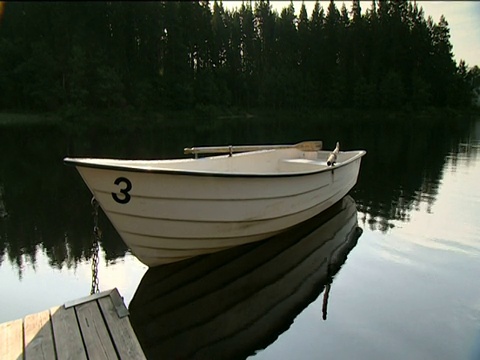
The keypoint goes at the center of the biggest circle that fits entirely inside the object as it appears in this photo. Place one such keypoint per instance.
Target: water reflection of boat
(229, 304)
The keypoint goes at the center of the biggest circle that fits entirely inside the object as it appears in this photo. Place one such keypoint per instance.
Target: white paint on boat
(168, 210)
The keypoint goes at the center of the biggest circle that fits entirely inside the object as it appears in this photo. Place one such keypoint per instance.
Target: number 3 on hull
(125, 198)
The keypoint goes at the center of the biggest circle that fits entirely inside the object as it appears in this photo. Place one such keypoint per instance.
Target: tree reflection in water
(46, 206)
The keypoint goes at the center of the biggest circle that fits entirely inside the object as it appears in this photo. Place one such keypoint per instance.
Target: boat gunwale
(79, 162)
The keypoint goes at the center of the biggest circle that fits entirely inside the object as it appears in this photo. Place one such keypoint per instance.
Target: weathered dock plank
(11, 340)
(94, 327)
(95, 334)
(38, 337)
(68, 339)
(123, 336)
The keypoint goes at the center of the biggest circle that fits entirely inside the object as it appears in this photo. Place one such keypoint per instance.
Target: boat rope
(97, 235)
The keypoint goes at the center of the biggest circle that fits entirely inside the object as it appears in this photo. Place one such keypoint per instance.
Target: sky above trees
(463, 18)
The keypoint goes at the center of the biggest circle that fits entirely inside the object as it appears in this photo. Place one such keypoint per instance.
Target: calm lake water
(391, 272)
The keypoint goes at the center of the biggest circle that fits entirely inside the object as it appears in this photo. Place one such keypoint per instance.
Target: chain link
(97, 235)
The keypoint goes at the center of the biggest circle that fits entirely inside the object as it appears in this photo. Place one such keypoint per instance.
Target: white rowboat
(170, 210)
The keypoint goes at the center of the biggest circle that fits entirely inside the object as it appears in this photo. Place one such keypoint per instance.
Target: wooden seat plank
(11, 340)
(38, 337)
(66, 332)
(94, 332)
(124, 337)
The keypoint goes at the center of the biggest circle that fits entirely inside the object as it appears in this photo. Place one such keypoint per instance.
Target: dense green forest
(184, 55)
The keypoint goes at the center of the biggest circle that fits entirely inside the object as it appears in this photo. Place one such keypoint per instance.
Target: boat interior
(262, 162)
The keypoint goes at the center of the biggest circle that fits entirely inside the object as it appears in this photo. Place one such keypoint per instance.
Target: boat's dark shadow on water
(229, 304)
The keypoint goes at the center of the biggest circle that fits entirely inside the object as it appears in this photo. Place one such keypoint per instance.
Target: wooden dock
(94, 327)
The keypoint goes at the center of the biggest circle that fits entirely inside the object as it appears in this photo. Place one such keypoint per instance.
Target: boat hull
(166, 216)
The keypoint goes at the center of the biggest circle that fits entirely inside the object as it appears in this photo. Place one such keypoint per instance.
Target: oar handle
(303, 146)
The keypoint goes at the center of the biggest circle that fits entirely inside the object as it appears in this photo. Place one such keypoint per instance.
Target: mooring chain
(97, 235)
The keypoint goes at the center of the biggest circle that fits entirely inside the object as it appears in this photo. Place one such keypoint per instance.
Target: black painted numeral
(126, 196)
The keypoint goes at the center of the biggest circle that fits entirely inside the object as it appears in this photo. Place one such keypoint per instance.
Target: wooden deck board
(121, 330)
(11, 340)
(95, 327)
(95, 334)
(68, 339)
(38, 337)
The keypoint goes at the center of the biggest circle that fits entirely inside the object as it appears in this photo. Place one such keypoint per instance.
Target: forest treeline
(181, 55)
